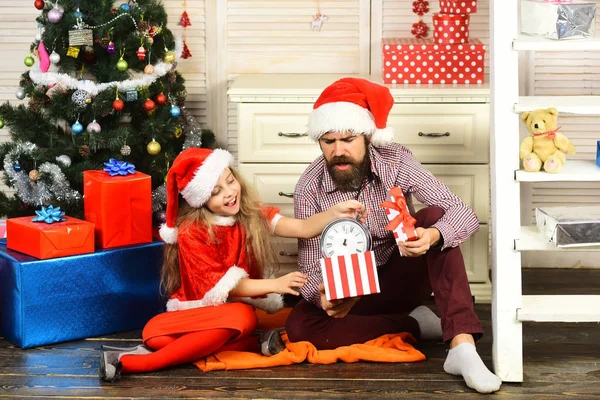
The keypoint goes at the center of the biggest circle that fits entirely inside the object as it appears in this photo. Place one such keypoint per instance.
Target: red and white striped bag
(350, 275)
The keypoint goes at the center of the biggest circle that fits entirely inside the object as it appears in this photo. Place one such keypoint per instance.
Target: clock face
(345, 236)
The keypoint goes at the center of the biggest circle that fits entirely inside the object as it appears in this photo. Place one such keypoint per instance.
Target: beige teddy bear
(545, 147)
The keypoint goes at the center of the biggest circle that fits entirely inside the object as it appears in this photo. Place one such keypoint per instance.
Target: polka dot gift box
(451, 28)
(458, 6)
(409, 60)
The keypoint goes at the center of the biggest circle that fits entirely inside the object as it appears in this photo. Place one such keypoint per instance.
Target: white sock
(464, 360)
(430, 324)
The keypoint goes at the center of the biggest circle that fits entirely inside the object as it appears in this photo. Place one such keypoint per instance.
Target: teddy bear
(545, 147)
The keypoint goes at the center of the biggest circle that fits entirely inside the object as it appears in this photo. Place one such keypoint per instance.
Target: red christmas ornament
(185, 53)
(141, 53)
(185, 20)
(149, 105)
(420, 7)
(161, 98)
(118, 104)
(39, 4)
(419, 30)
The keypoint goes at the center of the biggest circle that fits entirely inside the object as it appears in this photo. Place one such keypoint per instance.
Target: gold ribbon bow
(399, 204)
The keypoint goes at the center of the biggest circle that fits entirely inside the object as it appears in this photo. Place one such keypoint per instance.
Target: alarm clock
(345, 236)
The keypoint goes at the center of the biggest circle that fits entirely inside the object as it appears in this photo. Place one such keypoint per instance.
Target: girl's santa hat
(194, 174)
(356, 105)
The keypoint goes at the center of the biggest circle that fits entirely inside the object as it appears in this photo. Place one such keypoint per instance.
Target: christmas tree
(102, 84)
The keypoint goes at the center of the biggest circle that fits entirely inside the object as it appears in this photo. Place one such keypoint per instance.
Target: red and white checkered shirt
(391, 165)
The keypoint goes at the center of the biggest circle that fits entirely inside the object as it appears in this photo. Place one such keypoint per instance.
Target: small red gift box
(401, 222)
(409, 60)
(119, 206)
(38, 239)
(451, 28)
(458, 6)
(350, 275)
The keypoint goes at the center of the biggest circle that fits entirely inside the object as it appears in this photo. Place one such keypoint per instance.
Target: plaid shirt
(391, 165)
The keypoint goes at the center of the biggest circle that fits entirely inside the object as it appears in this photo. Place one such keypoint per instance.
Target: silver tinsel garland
(38, 193)
(159, 197)
(192, 132)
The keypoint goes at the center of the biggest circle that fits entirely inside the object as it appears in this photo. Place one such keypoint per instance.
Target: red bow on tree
(399, 204)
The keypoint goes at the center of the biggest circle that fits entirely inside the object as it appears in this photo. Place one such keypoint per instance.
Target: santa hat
(353, 104)
(194, 174)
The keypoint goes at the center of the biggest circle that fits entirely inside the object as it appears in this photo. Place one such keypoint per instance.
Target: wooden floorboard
(561, 361)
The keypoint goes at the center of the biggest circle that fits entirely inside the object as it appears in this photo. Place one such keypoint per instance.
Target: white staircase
(509, 307)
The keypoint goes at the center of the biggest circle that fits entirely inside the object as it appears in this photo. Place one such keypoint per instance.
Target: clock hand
(344, 244)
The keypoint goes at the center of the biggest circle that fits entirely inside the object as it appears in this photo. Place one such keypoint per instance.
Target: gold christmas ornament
(153, 147)
(34, 175)
(169, 57)
(73, 52)
(178, 132)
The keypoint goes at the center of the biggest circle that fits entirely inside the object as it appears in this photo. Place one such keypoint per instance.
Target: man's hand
(425, 239)
(336, 308)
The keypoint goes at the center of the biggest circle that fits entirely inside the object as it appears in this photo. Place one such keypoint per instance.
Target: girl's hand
(349, 209)
(290, 283)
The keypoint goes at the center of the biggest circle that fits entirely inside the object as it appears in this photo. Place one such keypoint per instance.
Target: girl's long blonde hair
(250, 216)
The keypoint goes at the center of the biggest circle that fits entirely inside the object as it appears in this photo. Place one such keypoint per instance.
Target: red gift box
(350, 275)
(401, 222)
(409, 60)
(41, 240)
(458, 6)
(451, 28)
(119, 206)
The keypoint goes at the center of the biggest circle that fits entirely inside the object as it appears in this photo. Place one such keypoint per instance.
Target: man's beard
(352, 178)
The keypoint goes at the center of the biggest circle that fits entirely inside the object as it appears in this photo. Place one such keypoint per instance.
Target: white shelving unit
(509, 307)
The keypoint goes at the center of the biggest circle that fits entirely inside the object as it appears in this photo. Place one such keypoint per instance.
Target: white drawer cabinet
(447, 128)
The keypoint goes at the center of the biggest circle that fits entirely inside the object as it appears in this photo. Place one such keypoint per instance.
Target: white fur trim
(340, 117)
(220, 220)
(199, 189)
(169, 235)
(381, 137)
(274, 222)
(216, 296)
(271, 304)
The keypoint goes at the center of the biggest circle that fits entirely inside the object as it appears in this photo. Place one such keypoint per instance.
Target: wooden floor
(561, 361)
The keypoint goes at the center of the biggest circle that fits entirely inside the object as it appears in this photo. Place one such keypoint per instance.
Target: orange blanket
(387, 348)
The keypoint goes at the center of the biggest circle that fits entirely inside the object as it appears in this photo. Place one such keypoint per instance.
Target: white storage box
(556, 20)
(570, 226)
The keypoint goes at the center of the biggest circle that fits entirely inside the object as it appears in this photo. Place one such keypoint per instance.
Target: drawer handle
(292, 134)
(283, 253)
(290, 195)
(434, 134)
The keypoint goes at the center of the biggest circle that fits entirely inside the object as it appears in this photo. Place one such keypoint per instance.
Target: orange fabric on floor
(387, 348)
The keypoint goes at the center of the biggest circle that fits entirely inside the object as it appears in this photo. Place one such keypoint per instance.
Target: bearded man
(360, 162)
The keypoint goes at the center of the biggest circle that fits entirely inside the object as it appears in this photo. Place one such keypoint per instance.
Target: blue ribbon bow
(115, 167)
(49, 215)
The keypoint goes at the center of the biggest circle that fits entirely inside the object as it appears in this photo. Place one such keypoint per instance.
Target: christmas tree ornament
(29, 61)
(81, 98)
(124, 7)
(419, 28)
(38, 34)
(118, 104)
(93, 127)
(84, 150)
(149, 105)
(149, 69)
(39, 4)
(161, 98)
(44, 57)
(131, 95)
(177, 133)
(49, 215)
(34, 175)
(122, 64)
(1, 123)
(185, 53)
(141, 53)
(55, 15)
(169, 57)
(185, 19)
(54, 57)
(73, 52)
(110, 49)
(318, 19)
(81, 37)
(158, 218)
(89, 56)
(64, 159)
(185, 22)
(126, 150)
(175, 111)
(77, 128)
(20, 94)
(153, 147)
(150, 40)
(78, 14)
(17, 167)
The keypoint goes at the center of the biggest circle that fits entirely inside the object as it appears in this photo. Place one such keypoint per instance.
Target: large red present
(350, 275)
(451, 28)
(401, 222)
(409, 60)
(41, 240)
(119, 206)
(458, 6)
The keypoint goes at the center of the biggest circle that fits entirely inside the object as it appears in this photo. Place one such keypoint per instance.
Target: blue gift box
(69, 298)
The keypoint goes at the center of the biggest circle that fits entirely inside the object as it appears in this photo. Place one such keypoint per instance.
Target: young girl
(214, 263)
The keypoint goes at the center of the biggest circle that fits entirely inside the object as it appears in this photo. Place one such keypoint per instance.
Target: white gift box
(558, 19)
(350, 275)
(570, 226)
(401, 233)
